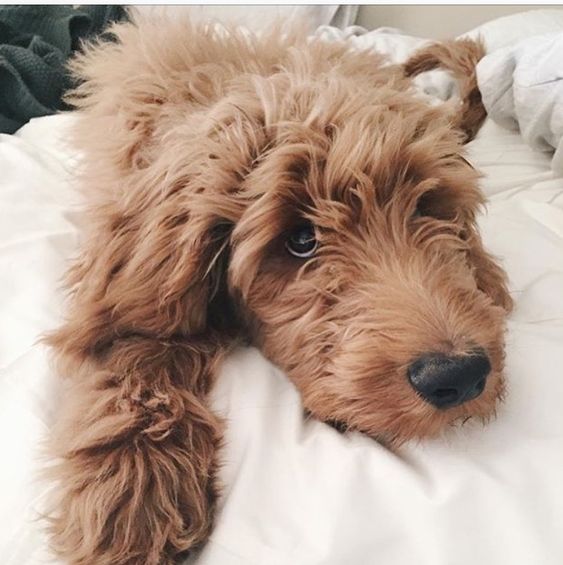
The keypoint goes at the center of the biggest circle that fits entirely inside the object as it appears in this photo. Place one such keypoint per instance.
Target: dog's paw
(136, 477)
(131, 505)
(137, 461)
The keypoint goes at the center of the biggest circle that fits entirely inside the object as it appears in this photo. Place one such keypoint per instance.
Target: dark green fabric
(35, 43)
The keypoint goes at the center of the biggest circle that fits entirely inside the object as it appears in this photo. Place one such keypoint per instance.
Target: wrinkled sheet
(297, 492)
(522, 88)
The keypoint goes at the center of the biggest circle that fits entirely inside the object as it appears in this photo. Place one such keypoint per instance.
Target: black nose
(449, 380)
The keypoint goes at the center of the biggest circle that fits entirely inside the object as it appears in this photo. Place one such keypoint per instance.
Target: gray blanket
(35, 43)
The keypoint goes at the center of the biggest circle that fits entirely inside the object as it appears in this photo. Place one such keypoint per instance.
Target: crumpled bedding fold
(522, 89)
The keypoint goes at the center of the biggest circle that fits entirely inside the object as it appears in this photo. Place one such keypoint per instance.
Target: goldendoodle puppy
(290, 193)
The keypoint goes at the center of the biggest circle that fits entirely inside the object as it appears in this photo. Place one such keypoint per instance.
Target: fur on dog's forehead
(312, 132)
(368, 170)
(322, 141)
(363, 160)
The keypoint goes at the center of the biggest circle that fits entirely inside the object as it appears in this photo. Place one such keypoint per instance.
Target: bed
(297, 492)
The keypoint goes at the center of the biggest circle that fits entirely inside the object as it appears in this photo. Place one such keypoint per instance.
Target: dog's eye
(302, 241)
(424, 207)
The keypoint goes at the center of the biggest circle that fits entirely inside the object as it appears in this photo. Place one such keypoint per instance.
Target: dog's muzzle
(449, 380)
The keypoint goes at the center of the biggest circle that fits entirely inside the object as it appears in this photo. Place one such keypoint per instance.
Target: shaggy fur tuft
(202, 151)
(460, 57)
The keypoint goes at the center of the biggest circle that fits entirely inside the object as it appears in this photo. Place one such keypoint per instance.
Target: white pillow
(501, 32)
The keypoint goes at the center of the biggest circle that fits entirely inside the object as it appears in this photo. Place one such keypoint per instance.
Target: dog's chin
(427, 422)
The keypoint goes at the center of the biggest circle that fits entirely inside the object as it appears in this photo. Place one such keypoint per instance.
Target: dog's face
(328, 206)
(359, 271)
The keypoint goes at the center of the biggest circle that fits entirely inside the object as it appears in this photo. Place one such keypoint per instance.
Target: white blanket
(297, 492)
(522, 88)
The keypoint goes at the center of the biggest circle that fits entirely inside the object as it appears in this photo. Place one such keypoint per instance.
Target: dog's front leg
(137, 447)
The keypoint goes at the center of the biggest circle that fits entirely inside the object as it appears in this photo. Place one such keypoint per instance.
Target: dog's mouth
(480, 406)
(425, 420)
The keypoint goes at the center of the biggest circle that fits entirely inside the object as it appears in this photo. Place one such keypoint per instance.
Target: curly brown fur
(460, 57)
(201, 152)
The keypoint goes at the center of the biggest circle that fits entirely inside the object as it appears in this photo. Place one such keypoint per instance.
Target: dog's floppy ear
(160, 212)
(157, 273)
(460, 57)
(490, 277)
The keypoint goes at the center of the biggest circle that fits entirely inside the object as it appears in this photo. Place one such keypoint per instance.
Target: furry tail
(460, 57)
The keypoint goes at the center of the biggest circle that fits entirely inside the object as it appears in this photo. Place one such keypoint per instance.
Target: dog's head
(360, 269)
(300, 197)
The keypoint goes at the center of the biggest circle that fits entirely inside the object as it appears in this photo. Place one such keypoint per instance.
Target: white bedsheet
(296, 491)
(522, 88)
